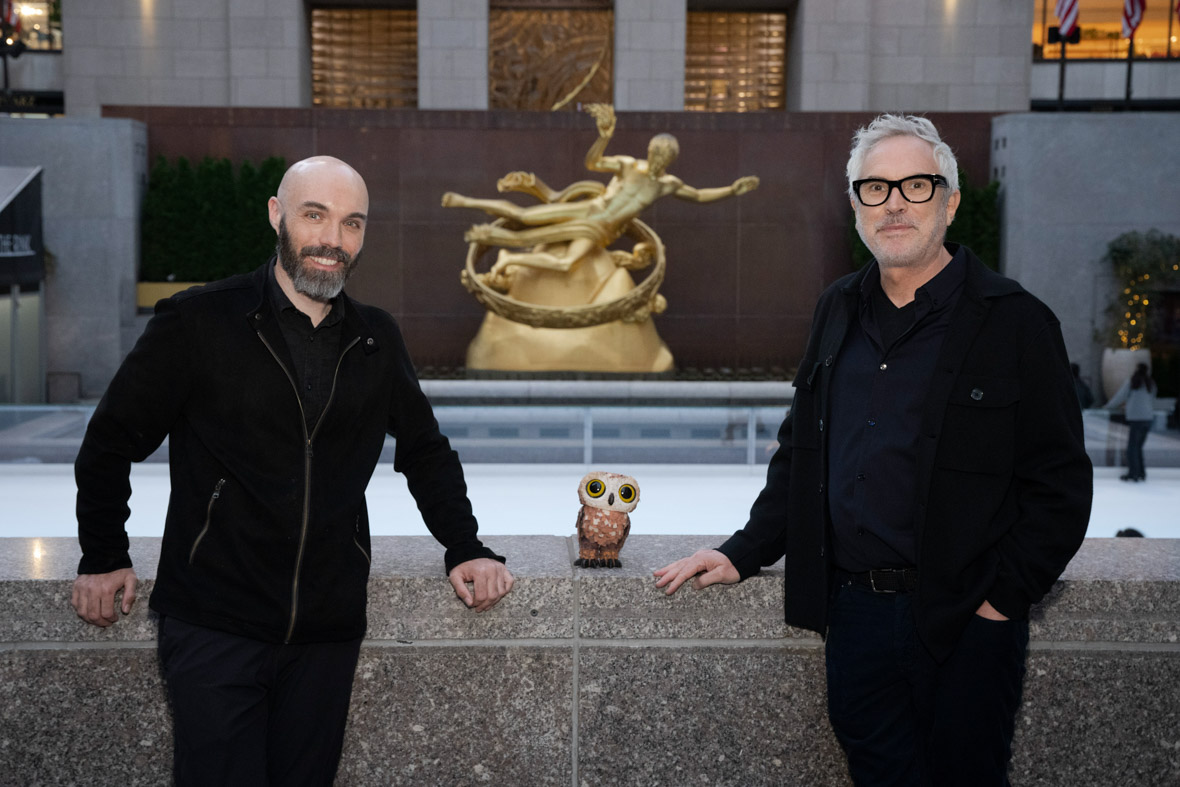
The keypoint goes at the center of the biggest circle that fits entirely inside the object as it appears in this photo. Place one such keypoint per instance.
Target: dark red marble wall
(743, 274)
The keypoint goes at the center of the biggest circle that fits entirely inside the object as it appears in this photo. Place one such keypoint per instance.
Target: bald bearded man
(276, 391)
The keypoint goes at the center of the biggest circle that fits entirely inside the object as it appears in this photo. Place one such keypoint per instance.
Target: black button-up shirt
(879, 387)
(314, 350)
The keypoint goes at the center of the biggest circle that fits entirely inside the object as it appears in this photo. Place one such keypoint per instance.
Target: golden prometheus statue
(558, 298)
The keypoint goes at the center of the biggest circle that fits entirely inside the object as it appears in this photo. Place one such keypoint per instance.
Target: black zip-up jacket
(1003, 483)
(267, 534)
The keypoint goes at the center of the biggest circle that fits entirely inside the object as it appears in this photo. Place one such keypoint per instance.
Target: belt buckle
(873, 580)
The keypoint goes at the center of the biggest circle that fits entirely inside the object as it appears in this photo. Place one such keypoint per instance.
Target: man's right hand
(708, 566)
(94, 595)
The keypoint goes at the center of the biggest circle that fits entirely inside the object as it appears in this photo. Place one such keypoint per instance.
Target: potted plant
(1143, 262)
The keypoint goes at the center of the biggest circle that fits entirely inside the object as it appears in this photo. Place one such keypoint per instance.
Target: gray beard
(319, 285)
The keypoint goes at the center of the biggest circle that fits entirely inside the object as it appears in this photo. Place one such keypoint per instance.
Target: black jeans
(253, 713)
(1137, 432)
(905, 719)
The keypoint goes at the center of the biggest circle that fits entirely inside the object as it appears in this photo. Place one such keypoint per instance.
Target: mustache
(894, 221)
(330, 252)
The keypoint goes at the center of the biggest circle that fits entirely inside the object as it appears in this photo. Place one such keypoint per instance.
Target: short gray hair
(886, 126)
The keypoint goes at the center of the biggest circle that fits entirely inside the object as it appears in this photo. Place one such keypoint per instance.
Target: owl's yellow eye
(626, 493)
(595, 488)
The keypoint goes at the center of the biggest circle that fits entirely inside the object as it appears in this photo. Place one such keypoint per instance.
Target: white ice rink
(517, 499)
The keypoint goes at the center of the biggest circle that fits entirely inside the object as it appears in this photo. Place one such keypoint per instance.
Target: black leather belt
(886, 580)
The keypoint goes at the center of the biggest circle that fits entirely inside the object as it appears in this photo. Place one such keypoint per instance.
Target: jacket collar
(982, 281)
(262, 316)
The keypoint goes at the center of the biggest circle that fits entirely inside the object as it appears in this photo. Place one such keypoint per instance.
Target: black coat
(267, 534)
(1004, 483)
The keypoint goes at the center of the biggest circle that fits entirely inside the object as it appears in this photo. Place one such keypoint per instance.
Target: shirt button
(884, 366)
(872, 422)
(860, 476)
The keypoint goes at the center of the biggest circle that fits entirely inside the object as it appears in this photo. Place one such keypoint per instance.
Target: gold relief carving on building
(548, 59)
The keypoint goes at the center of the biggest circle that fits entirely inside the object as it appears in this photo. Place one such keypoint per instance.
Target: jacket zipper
(307, 457)
(356, 540)
(192, 554)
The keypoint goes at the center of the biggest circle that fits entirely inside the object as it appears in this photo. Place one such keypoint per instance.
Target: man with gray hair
(931, 481)
(276, 391)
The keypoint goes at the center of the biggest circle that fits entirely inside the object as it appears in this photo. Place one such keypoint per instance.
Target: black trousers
(904, 719)
(246, 712)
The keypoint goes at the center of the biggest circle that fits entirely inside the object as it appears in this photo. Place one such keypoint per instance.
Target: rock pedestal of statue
(618, 346)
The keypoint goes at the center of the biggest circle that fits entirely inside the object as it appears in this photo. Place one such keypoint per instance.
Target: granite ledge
(1114, 591)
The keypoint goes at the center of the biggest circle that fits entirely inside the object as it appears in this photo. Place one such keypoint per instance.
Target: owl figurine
(603, 521)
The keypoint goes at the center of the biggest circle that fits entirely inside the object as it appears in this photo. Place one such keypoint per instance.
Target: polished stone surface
(83, 717)
(1099, 717)
(410, 597)
(457, 716)
(591, 676)
(623, 603)
(734, 716)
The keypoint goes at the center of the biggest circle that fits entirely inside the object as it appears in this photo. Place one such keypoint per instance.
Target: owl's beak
(610, 501)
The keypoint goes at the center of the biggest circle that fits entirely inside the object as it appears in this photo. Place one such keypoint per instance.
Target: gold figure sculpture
(558, 298)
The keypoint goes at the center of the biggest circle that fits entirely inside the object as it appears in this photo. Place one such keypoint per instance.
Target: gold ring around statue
(638, 299)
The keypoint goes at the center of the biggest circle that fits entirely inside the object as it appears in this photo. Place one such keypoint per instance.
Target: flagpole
(1130, 61)
(1061, 78)
(1171, 19)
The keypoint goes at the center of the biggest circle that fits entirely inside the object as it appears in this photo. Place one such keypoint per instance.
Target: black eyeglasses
(916, 188)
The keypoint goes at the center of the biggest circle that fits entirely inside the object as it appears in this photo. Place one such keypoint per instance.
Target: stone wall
(1069, 184)
(592, 677)
(94, 172)
(743, 274)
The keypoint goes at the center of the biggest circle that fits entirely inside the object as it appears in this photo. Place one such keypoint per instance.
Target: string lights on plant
(1145, 261)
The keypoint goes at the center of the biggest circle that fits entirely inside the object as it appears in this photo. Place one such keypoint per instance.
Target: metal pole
(1044, 25)
(1172, 11)
(751, 436)
(1130, 62)
(587, 436)
(14, 347)
(1061, 78)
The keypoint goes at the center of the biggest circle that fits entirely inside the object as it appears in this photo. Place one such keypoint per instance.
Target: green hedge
(207, 222)
(976, 225)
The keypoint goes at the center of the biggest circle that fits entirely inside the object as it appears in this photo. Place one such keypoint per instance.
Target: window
(364, 58)
(735, 62)
(36, 25)
(1101, 26)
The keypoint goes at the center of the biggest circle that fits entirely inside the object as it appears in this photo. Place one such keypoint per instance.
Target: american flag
(1132, 16)
(1067, 16)
(9, 16)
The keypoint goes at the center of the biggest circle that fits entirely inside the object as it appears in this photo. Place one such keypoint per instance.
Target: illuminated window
(735, 62)
(38, 24)
(364, 58)
(1101, 24)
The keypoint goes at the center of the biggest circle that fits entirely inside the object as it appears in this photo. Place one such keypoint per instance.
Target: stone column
(649, 55)
(452, 54)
